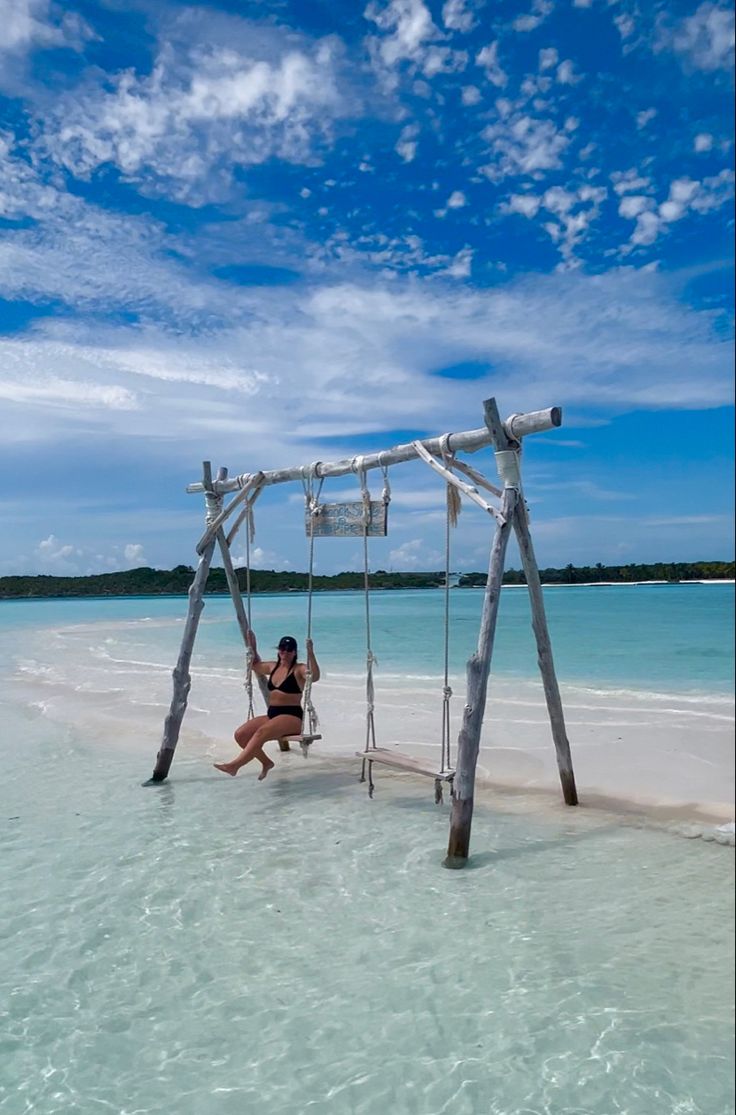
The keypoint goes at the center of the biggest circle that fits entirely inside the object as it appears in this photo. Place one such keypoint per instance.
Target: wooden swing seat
(405, 762)
(303, 740)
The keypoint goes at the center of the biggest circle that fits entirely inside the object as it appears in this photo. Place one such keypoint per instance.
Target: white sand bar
(671, 757)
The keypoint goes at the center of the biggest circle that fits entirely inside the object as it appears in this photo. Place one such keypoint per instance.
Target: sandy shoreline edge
(663, 759)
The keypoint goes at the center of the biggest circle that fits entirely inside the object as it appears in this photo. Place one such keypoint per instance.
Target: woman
(286, 680)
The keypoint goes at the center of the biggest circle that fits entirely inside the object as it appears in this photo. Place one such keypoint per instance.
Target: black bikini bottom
(285, 710)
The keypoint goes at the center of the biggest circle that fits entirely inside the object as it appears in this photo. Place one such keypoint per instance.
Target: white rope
(448, 460)
(311, 501)
(248, 683)
(247, 512)
(507, 463)
(370, 658)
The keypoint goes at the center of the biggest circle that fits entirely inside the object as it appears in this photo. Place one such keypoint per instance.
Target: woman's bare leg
(244, 733)
(253, 749)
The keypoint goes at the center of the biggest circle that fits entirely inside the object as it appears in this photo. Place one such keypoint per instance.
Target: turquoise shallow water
(676, 638)
(214, 945)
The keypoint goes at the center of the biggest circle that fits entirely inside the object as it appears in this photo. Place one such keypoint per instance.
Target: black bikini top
(288, 685)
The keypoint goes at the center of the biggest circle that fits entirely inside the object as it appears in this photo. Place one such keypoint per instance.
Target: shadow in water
(478, 860)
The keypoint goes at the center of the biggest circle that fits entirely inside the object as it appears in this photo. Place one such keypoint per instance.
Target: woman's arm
(312, 663)
(263, 669)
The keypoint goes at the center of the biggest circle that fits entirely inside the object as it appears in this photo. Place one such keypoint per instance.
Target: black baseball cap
(287, 643)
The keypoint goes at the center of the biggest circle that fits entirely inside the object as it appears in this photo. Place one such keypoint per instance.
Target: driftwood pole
(478, 670)
(232, 583)
(544, 655)
(181, 676)
(507, 439)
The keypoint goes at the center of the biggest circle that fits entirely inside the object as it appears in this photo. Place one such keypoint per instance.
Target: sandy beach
(670, 760)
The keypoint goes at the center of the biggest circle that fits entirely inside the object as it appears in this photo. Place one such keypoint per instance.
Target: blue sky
(271, 233)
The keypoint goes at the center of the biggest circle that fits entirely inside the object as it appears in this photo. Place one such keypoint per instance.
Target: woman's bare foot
(226, 768)
(266, 764)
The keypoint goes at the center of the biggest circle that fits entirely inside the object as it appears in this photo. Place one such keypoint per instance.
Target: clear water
(216, 945)
(678, 638)
(213, 946)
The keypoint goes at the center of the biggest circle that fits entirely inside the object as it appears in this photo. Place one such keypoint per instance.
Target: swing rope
(454, 506)
(371, 660)
(249, 536)
(312, 506)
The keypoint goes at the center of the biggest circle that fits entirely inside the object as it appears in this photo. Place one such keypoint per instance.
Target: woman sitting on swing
(284, 716)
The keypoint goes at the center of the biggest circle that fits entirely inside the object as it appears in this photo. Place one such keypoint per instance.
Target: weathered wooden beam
(181, 676)
(544, 655)
(518, 426)
(468, 489)
(478, 669)
(504, 434)
(468, 441)
(240, 613)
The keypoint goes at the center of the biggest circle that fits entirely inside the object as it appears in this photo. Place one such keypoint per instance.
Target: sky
(267, 234)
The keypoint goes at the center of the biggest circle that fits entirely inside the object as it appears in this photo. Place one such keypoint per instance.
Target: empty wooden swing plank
(404, 762)
(303, 740)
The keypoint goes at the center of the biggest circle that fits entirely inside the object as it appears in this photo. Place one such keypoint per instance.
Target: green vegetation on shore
(163, 582)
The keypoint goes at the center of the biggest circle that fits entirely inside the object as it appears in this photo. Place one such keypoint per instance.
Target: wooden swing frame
(505, 438)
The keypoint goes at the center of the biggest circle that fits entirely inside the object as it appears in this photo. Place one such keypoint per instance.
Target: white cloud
(566, 74)
(705, 39)
(523, 144)
(629, 181)
(53, 556)
(488, 59)
(199, 113)
(471, 95)
(648, 226)
(703, 142)
(625, 25)
(632, 205)
(456, 200)
(531, 20)
(443, 60)
(408, 29)
(29, 24)
(457, 16)
(262, 558)
(645, 117)
(133, 553)
(406, 145)
(685, 194)
(54, 391)
(415, 554)
(364, 354)
(461, 265)
(548, 58)
(527, 204)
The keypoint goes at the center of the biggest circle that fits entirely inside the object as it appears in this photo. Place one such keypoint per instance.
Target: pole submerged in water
(181, 675)
(505, 437)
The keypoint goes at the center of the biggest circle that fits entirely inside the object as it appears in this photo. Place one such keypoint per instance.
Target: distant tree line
(164, 582)
(671, 571)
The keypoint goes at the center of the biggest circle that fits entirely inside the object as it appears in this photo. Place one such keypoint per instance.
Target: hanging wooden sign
(345, 520)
